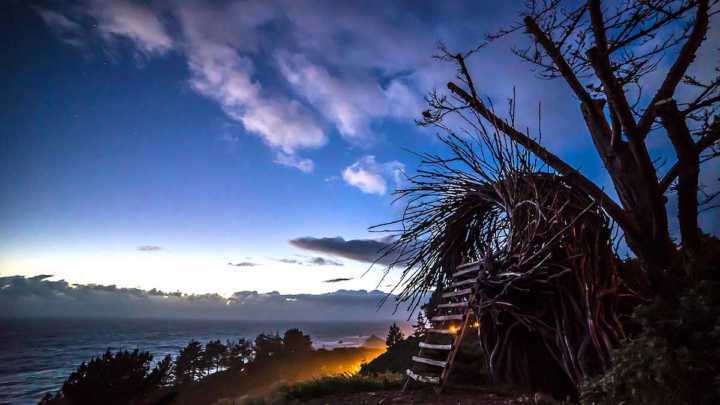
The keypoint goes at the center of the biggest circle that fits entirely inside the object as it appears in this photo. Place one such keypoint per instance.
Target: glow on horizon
(193, 274)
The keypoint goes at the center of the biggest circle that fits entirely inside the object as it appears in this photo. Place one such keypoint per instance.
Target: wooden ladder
(437, 352)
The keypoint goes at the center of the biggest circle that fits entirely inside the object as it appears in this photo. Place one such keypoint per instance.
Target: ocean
(36, 355)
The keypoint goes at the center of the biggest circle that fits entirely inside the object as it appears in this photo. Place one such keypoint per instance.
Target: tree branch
(558, 59)
(704, 143)
(600, 61)
(702, 104)
(677, 71)
(688, 171)
(585, 184)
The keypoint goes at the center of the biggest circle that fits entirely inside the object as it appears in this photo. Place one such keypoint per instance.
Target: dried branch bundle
(548, 303)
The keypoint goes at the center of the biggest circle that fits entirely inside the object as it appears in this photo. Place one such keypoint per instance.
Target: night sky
(214, 147)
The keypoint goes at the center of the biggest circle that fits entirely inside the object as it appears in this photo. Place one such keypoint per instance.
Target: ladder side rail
(456, 345)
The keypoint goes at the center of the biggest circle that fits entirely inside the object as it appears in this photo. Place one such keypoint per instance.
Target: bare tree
(604, 53)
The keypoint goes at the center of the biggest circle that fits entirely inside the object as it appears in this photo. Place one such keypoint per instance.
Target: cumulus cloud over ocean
(40, 296)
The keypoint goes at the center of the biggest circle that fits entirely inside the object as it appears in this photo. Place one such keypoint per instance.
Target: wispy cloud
(242, 264)
(291, 85)
(370, 176)
(57, 20)
(149, 248)
(123, 19)
(291, 160)
(351, 105)
(113, 21)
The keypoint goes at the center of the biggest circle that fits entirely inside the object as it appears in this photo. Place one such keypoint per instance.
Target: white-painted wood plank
(424, 360)
(463, 282)
(457, 293)
(442, 318)
(467, 265)
(435, 347)
(465, 272)
(423, 378)
(443, 331)
(453, 305)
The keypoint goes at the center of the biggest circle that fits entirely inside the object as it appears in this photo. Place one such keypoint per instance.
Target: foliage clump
(394, 336)
(675, 360)
(341, 384)
(113, 378)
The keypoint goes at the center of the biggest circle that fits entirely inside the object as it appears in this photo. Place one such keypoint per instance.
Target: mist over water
(36, 355)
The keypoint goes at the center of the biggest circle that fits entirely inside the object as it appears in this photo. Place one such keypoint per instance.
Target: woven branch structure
(548, 301)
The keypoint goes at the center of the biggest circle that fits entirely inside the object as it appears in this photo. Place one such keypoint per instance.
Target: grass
(333, 385)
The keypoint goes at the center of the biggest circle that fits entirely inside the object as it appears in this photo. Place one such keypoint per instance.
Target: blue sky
(152, 145)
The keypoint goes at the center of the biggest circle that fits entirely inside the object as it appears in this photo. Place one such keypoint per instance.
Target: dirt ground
(416, 397)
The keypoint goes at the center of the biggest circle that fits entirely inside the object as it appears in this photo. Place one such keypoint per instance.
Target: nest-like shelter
(548, 300)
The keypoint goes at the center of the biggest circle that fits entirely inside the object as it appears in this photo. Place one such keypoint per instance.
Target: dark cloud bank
(338, 280)
(242, 264)
(311, 261)
(149, 248)
(40, 297)
(362, 250)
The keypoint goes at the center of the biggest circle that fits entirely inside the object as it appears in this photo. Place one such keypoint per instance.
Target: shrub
(340, 384)
(675, 360)
(111, 379)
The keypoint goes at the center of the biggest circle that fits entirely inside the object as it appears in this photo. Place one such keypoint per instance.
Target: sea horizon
(40, 353)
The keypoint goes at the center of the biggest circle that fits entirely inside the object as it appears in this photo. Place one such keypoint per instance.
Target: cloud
(350, 104)
(337, 280)
(362, 250)
(220, 72)
(129, 20)
(321, 261)
(283, 70)
(242, 264)
(112, 21)
(41, 277)
(289, 160)
(39, 297)
(57, 21)
(369, 176)
(66, 29)
(149, 248)
(311, 261)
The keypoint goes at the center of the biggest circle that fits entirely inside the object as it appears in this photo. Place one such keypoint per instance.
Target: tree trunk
(647, 233)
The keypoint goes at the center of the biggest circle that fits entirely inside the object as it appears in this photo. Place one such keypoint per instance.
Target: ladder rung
(464, 272)
(457, 293)
(443, 331)
(425, 360)
(453, 305)
(466, 265)
(435, 347)
(423, 378)
(462, 283)
(441, 318)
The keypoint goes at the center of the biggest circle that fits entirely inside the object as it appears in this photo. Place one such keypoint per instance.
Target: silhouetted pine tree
(394, 336)
(296, 341)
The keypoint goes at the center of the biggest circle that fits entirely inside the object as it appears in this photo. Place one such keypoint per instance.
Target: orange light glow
(476, 325)
(453, 329)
